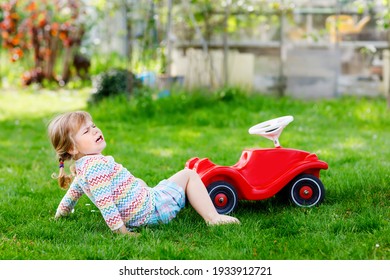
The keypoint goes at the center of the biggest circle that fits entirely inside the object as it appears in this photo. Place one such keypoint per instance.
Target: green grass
(154, 139)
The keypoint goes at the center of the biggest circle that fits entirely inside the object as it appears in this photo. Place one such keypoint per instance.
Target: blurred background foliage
(66, 42)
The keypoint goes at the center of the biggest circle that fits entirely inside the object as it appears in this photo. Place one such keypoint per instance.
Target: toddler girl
(123, 200)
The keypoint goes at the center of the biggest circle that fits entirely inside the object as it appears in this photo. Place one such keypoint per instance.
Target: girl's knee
(188, 173)
(183, 177)
(191, 173)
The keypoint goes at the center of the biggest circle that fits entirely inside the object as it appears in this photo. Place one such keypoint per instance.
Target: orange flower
(32, 6)
(63, 35)
(55, 25)
(15, 41)
(5, 35)
(16, 54)
(14, 16)
(54, 29)
(42, 22)
(18, 51)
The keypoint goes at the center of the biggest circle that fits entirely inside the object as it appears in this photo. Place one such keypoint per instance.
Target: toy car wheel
(224, 197)
(306, 191)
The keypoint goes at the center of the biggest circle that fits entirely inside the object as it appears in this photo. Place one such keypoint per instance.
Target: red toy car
(262, 173)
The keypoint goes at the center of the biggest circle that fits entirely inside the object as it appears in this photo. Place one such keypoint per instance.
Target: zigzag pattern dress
(119, 196)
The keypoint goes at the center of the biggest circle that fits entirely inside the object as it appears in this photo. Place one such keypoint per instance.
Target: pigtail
(63, 179)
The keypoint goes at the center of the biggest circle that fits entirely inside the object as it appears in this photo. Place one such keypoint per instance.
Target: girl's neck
(79, 156)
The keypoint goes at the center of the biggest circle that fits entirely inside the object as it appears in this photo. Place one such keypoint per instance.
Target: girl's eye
(93, 125)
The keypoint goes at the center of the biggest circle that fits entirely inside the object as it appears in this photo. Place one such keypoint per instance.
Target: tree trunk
(66, 68)
(226, 46)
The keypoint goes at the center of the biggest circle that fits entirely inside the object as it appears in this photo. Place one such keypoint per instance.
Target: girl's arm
(69, 200)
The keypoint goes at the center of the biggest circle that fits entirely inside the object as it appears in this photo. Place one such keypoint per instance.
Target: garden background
(154, 126)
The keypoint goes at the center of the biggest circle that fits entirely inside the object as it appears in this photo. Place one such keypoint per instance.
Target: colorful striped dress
(119, 196)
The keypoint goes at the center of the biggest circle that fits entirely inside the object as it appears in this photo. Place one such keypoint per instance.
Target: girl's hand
(58, 215)
(123, 230)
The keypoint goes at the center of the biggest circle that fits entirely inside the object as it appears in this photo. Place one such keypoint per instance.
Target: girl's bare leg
(197, 195)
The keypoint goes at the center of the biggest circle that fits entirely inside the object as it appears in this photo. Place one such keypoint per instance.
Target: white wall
(201, 69)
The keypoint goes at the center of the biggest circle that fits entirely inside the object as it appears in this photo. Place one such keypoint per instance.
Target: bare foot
(223, 219)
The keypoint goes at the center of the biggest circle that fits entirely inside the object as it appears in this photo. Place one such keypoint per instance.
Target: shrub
(114, 82)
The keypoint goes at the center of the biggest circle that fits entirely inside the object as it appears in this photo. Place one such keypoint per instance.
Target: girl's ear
(73, 151)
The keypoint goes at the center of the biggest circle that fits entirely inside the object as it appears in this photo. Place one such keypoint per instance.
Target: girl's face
(89, 140)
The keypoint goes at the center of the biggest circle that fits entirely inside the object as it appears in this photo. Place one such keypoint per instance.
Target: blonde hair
(61, 131)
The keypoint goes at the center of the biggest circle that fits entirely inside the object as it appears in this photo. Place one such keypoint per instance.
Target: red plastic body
(260, 173)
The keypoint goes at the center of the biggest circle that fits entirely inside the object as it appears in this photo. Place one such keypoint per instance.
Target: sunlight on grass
(352, 143)
(367, 112)
(162, 152)
(189, 134)
(14, 104)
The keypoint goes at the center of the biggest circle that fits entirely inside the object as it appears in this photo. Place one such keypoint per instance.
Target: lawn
(154, 139)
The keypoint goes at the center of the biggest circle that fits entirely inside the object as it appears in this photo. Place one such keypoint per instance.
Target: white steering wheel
(271, 129)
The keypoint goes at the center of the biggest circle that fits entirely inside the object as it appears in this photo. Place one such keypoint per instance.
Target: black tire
(224, 197)
(306, 190)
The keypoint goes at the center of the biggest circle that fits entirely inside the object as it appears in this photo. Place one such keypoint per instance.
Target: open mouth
(99, 139)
